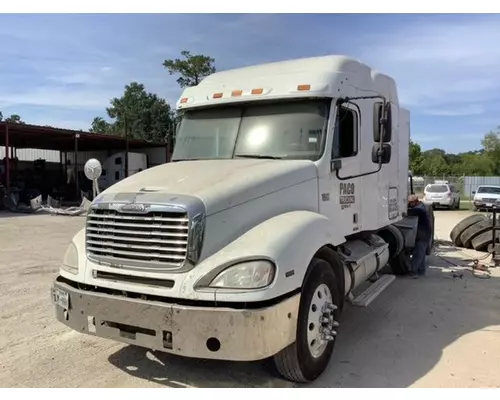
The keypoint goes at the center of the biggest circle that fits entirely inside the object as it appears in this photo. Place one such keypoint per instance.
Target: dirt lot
(441, 331)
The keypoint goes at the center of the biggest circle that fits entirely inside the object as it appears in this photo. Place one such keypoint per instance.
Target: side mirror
(474, 192)
(336, 165)
(383, 153)
(377, 122)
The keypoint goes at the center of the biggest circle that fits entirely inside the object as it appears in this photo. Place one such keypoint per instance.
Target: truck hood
(220, 184)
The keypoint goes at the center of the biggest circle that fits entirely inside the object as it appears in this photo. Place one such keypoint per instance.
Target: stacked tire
(474, 232)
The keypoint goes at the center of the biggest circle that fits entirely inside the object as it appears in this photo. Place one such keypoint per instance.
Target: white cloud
(458, 111)
(61, 123)
(75, 78)
(425, 138)
(441, 62)
(440, 137)
(63, 97)
(445, 67)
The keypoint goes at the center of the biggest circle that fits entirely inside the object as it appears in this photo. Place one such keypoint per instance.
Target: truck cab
(287, 190)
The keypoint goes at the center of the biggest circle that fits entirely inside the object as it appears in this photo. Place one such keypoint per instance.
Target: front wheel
(307, 358)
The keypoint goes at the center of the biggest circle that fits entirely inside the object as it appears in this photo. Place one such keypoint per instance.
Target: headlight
(195, 240)
(246, 275)
(70, 260)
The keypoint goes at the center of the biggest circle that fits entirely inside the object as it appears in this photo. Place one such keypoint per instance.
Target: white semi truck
(287, 191)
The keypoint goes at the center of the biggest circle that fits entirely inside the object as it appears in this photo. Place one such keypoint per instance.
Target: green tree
(453, 160)
(14, 119)
(434, 153)
(192, 69)
(473, 164)
(491, 145)
(100, 125)
(434, 164)
(142, 114)
(415, 158)
(491, 141)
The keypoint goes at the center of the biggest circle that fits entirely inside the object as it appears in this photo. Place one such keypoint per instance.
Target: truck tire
(401, 264)
(394, 238)
(307, 358)
(483, 241)
(462, 226)
(475, 230)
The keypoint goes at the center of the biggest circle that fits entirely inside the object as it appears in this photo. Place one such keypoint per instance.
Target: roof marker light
(304, 87)
(217, 95)
(236, 93)
(257, 91)
(184, 100)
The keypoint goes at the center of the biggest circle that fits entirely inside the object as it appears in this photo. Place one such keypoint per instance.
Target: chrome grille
(490, 200)
(156, 239)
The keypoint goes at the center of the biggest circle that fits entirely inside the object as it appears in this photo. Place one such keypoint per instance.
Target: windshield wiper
(189, 159)
(259, 156)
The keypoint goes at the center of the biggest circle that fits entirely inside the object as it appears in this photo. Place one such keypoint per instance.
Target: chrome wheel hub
(321, 323)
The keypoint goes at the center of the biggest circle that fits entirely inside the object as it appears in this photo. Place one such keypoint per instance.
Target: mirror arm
(345, 178)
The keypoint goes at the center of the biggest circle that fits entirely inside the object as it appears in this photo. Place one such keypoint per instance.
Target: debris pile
(53, 206)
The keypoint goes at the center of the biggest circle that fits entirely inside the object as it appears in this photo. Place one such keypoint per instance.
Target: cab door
(340, 195)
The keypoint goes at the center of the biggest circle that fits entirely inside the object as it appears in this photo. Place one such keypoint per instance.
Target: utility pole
(126, 145)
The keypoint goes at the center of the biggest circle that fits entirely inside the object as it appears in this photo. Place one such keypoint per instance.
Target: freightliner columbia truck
(287, 192)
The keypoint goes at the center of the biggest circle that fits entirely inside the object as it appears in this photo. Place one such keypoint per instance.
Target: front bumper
(199, 332)
(486, 204)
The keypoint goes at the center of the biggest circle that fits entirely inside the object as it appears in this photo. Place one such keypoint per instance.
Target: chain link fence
(465, 185)
(420, 182)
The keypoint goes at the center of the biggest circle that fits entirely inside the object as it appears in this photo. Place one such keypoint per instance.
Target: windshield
(489, 189)
(290, 130)
(437, 189)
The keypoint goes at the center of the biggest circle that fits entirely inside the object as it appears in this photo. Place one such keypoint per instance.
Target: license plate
(489, 204)
(60, 297)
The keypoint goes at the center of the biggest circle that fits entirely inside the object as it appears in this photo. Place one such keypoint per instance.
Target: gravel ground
(440, 331)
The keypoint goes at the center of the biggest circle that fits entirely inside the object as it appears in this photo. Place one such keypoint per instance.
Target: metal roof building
(33, 141)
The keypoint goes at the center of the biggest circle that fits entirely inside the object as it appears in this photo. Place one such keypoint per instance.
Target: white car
(442, 195)
(486, 197)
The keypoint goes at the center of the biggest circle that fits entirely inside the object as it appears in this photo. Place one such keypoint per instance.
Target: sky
(62, 70)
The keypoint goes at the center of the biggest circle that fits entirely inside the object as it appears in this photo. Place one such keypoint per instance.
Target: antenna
(93, 170)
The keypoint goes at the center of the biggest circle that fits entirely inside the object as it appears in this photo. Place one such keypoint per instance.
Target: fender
(289, 240)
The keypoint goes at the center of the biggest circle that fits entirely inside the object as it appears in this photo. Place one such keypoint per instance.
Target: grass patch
(465, 205)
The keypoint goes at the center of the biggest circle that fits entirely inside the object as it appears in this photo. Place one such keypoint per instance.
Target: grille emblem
(134, 208)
